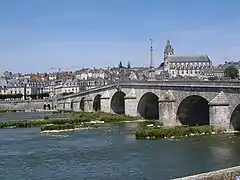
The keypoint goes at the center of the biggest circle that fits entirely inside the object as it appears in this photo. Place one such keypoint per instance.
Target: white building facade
(185, 66)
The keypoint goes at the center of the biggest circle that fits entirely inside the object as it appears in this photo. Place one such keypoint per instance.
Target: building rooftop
(200, 58)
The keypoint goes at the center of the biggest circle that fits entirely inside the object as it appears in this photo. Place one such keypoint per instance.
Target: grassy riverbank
(85, 119)
(175, 132)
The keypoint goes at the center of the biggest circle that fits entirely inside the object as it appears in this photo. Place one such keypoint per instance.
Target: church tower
(168, 51)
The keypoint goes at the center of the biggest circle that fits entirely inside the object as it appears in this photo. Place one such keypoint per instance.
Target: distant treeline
(19, 96)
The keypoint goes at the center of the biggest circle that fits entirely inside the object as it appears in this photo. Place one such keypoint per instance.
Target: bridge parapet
(184, 83)
(173, 84)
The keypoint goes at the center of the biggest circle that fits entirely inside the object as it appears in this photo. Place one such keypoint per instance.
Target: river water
(29, 115)
(110, 152)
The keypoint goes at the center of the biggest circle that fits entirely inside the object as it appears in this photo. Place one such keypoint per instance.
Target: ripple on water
(54, 135)
(110, 152)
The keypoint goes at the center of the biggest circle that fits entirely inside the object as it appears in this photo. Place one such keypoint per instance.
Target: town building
(11, 88)
(49, 88)
(219, 72)
(68, 87)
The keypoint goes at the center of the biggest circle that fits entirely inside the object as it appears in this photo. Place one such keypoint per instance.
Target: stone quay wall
(223, 174)
(24, 105)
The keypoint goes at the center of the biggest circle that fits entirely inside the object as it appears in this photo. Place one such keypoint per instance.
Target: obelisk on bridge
(151, 54)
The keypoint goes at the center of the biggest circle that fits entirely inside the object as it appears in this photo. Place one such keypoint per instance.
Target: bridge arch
(118, 102)
(97, 103)
(148, 106)
(64, 105)
(193, 110)
(235, 118)
(46, 106)
(81, 105)
(71, 104)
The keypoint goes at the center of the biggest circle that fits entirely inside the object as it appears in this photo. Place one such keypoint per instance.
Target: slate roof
(3, 82)
(200, 58)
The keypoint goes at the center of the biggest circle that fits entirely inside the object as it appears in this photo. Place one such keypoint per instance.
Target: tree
(231, 72)
(129, 65)
(66, 93)
(42, 95)
(12, 96)
(120, 65)
(33, 96)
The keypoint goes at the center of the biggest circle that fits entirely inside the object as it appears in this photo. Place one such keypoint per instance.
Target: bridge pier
(60, 106)
(167, 109)
(219, 112)
(105, 104)
(67, 105)
(131, 103)
(130, 106)
(88, 105)
(76, 106)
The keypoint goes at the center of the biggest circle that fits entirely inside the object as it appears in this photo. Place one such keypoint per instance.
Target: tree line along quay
(10, 110)
(151, 129)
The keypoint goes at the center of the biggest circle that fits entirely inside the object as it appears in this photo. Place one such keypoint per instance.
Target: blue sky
(36, 35)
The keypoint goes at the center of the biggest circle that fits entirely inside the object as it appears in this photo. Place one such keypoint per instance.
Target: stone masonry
(223, 174)
(222, 98)
(28, 105)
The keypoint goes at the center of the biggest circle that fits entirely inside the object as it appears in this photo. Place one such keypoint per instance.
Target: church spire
(167, 52)
(168, 49)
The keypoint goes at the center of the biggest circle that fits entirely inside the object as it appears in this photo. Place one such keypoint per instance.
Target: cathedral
(191, 66)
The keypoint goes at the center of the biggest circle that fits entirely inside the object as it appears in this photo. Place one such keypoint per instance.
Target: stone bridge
(41, 104)
(172, 102)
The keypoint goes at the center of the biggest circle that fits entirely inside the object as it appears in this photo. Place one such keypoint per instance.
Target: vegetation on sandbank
(84, 119)
(60, 127)
(99, 116)
(175, 132)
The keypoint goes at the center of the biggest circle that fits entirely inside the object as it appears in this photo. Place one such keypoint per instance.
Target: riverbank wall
(223, 174)
(26, 105)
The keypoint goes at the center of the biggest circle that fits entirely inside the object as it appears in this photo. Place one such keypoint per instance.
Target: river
(110, 152)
